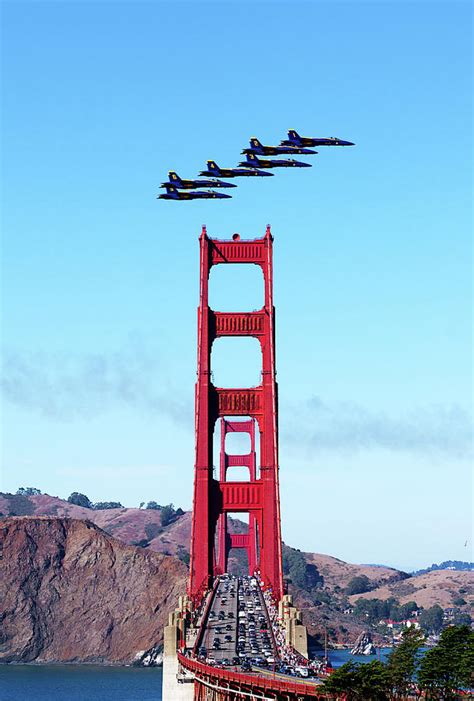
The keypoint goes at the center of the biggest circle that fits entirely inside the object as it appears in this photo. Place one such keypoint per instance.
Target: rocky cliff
(71, 592)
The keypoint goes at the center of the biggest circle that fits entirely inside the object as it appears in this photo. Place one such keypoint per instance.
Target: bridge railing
(205, 615)
(206, 672)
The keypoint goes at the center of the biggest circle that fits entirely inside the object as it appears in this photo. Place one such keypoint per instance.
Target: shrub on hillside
(80, 500)
(358, 585)
(107, 505)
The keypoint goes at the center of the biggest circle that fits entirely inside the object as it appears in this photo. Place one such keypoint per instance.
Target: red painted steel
(213, 499)
(257, 683)
(225, 541)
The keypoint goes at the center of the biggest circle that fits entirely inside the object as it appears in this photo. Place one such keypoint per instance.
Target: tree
(449, 666)
(359, 682)
(80, 500)
(459, 601)
(153, 505)
(28, 491)
(358, 585)
(142, 504)
(343, 681)
(107, 505)
(373, 682)
(167, 514)
(431, 620)
(183, 555)
(402, 662)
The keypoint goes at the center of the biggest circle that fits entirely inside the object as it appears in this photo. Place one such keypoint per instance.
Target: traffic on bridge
(239, 629)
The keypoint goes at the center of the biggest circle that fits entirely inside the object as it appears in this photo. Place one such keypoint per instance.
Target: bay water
(99, 683)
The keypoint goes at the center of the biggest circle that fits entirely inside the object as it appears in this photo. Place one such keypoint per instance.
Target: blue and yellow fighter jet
(213, 169)
(259, 149)
(173, 194)
(254, 161)
(181, 184)
(294, 139)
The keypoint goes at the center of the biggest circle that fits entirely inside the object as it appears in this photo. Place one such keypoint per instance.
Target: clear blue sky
(372, 255)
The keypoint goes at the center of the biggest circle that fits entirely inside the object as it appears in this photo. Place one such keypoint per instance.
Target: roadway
(238, 628)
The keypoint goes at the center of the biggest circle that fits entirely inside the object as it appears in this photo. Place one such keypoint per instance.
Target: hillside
(317, 581)
(72, 593)
(440, 587)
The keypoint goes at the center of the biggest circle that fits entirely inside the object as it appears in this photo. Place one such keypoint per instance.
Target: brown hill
(441, 587)
(70, 592)
(133, 526)
(337, 573)
(324, 607)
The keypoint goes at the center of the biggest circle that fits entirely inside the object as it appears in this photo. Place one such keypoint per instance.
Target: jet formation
(254, 165)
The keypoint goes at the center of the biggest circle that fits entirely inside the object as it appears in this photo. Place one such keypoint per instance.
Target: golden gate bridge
(229, 634)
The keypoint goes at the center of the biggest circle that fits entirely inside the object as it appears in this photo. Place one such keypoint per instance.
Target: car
(246, 666)
(228, 638)
(225, 662)
(230, 614)
(271, 659)
(301, 671)
(212, 614)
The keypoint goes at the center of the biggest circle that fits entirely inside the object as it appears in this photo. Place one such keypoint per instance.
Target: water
(79, 683)
(340, 657)
(94, 683)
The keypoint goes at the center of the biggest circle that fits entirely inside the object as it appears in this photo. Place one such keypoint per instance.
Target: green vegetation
(459, 601)
(152, 530)
(183, 555)
(28, 491)
(80, 500)
(167, 514)
(441, 673)
(358, 585)
(107, 505)
(402, 662)
(301, 573)
(458, 565)
(364, 682)
(450, 665)
(375, 610)
(431, 620)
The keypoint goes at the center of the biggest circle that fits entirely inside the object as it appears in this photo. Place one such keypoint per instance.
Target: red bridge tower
(259, 497)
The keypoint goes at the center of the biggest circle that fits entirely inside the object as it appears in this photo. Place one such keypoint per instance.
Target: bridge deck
(236, 648)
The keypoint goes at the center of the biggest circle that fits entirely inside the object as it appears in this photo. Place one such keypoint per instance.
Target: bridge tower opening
(259, 495)
(244, 541)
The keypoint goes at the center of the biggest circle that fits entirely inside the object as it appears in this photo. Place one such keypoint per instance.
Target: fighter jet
(173, 194)
(213, 169)
(181, 184)
(259, 149)
(254, 162)
(294, 139)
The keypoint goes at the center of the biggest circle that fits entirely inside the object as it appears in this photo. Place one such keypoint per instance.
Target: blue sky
(372, 255)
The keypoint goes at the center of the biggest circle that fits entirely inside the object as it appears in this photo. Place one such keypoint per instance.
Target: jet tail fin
(212, 165)
(293, 135)
(252, 159)
(174, 178)
(255, 143)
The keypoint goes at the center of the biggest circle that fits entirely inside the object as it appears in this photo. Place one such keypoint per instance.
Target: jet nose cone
(305, 165)
(348, 143)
